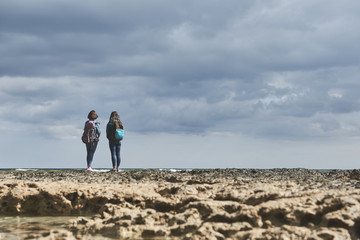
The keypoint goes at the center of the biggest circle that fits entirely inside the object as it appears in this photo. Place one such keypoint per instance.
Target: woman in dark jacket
(114, 144)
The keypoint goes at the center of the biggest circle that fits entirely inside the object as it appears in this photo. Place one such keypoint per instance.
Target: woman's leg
(90, 148)
(88, 155)
(94, 146)
(118, 147)
(112, 147)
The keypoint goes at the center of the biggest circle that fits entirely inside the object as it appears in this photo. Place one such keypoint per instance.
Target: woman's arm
(108, 131)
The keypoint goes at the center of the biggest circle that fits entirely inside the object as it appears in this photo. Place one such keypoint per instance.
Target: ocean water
(95, 169)
(24, 227)
(128, 169)
(18, 227)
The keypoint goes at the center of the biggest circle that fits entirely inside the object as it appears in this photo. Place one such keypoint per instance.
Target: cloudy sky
(198, 84)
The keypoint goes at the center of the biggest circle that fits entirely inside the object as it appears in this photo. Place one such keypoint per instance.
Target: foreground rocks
(197, 204)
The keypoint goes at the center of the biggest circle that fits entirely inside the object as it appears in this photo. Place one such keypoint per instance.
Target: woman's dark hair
(114, 116)
(92, 115)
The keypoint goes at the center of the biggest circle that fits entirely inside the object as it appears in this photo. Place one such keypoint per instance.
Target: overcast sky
(204, 83)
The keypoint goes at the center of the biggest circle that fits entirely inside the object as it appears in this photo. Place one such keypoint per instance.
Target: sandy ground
(196, 204)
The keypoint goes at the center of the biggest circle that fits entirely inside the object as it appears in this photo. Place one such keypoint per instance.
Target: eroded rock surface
(197, 204)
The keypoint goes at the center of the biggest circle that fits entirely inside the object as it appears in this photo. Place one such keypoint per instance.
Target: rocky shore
(196, 204)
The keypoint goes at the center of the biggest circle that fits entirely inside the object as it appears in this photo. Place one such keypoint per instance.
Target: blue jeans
(115, 152)
(90, 148)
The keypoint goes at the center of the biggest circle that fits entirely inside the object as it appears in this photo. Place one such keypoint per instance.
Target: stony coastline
(194, 204)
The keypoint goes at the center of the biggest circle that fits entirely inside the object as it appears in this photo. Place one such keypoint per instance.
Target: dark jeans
(115, 152)
(90, 148)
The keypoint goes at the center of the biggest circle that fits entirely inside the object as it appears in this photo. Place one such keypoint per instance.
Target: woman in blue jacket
(114, 144)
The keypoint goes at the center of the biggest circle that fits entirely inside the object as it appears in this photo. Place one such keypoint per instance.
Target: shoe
(112, 170)
(89, 169)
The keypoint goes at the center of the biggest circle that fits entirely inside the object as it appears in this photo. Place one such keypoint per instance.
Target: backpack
(118, 132)
(89, 134)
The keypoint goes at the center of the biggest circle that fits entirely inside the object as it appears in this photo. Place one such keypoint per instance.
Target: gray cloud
(273, 69)
(175, 40)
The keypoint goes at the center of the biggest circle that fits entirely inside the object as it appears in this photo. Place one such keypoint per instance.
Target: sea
(123, 169)
(94, 169)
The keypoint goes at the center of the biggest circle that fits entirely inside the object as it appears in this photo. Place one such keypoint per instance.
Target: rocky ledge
(196, 204)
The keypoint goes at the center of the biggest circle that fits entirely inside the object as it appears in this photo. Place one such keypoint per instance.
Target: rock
(197, 204)
(153, 233)
(355, 174)
(330, 234)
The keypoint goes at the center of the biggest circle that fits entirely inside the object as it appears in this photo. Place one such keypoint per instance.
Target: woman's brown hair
(114, 116)
(92, 115)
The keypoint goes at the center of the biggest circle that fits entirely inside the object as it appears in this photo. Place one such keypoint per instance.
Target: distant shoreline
(168, 169)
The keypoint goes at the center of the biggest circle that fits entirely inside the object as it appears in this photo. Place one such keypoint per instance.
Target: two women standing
(91, 137)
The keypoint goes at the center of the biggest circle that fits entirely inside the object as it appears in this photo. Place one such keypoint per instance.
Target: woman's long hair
(114, 116)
